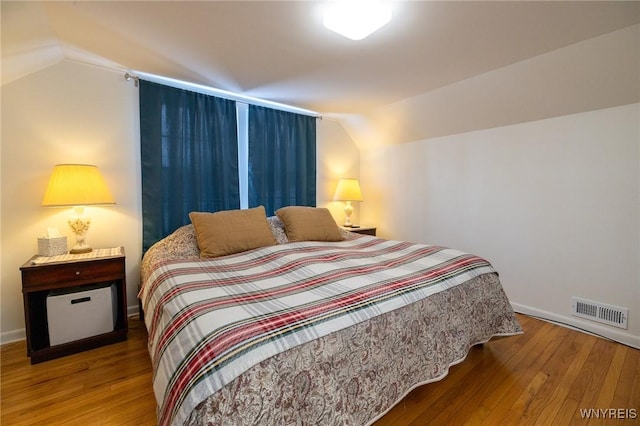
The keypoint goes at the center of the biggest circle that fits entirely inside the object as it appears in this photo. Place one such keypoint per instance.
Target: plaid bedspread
(211, 320)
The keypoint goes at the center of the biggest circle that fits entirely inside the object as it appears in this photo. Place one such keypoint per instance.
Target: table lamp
(348, 190)
(77, 186)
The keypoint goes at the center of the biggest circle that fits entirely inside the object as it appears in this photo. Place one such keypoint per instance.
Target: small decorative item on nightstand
(49, 245)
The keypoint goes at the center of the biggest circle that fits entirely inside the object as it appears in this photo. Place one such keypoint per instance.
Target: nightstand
(76, 272)
(364, 230)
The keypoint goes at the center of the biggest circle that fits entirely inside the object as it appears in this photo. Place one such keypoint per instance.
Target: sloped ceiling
(279, 50)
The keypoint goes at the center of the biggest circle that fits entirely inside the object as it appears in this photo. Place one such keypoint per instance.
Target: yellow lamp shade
(348, 190)
(76, 185)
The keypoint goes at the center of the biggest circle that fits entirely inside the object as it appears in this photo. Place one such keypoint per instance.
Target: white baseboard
(132, 311)
(12, 336)
(20, 334)
(580, 325)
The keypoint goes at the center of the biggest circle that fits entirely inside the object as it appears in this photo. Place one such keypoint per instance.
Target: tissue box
(52, 246)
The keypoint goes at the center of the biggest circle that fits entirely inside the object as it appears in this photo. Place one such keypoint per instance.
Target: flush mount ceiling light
(356, 19)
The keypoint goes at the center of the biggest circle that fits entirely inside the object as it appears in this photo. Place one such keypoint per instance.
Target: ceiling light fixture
(356, 19)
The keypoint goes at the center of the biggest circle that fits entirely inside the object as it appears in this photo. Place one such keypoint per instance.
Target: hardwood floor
(105, 386)
(545, 376)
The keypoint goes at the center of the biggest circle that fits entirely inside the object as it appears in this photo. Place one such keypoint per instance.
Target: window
(205, 153)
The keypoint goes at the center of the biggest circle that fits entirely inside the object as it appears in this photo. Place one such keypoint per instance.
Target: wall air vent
(595, 311)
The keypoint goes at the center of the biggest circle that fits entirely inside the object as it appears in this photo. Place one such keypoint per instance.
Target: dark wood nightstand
(38, 280)
(365, 230)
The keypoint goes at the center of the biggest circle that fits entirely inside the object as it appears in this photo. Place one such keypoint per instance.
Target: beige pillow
(231, 231)
(309, 224)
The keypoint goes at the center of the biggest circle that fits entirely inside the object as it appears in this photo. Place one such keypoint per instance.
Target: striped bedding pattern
(209, 320)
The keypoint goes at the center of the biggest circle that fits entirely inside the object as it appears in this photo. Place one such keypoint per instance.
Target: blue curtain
(189, 157)
(282, 159)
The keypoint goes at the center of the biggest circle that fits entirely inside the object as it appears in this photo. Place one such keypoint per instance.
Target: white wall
(593, 74)
(67, 113)
(72, 112)
(553, 204)
(338, 157)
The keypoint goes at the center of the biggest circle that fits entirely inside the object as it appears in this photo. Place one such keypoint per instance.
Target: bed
(292, 320)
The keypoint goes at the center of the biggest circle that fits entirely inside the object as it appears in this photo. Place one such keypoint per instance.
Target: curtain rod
(207, 90)
(130, 77)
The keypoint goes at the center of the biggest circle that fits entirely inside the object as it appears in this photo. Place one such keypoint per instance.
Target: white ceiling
(279, 50)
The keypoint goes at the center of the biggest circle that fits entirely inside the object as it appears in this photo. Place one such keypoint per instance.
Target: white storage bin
(76, 313)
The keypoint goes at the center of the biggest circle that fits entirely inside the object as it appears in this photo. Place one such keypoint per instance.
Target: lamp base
(79, 224)
(348, 209)
(79, 249)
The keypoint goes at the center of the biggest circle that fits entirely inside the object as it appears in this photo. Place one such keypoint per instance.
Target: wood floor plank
(108, 385)
(568, 374)
(512, 375)
(535, 354)
(478, 384)
(546, 375)
(627, 393)
(552, 368)
(520, 406)
(634, 393)
(612, 378)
